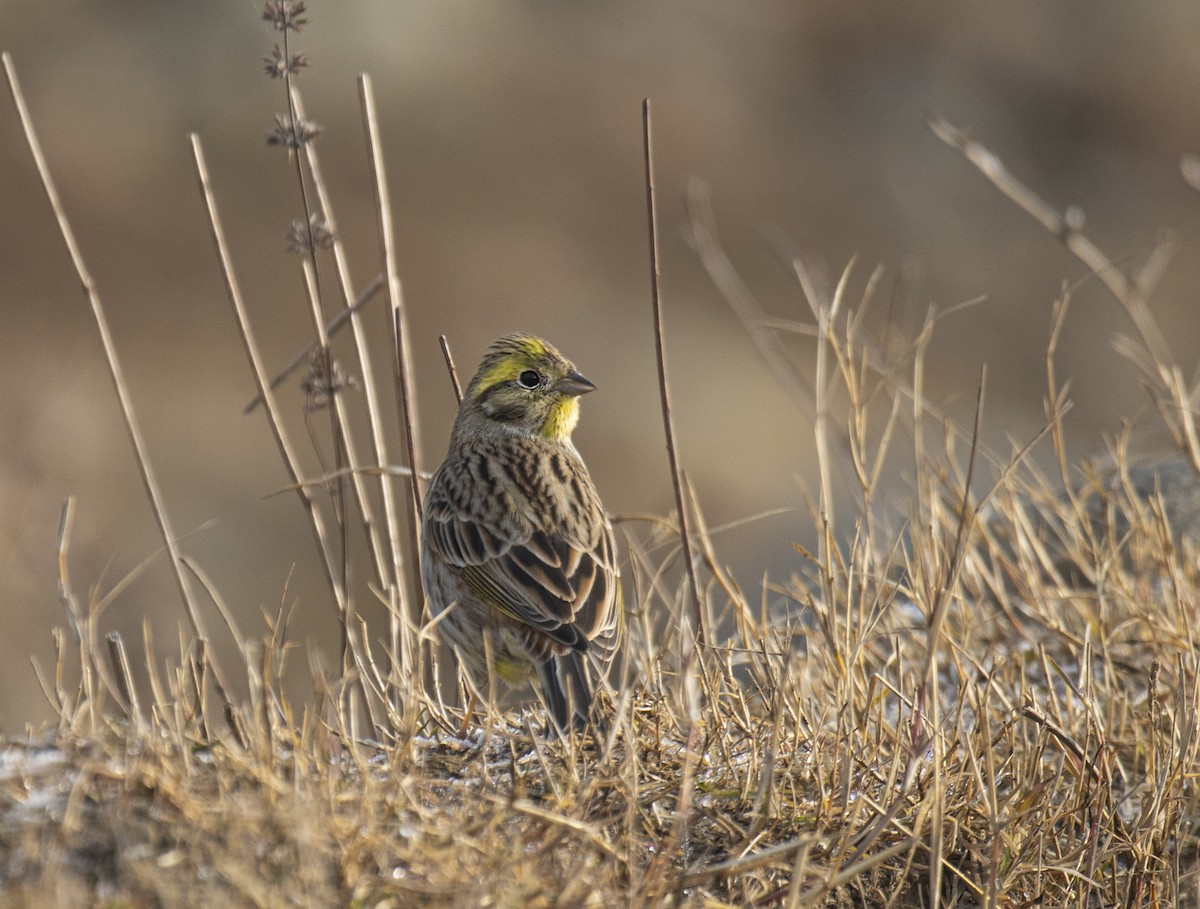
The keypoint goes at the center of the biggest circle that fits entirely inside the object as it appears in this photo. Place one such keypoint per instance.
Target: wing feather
(544, 556)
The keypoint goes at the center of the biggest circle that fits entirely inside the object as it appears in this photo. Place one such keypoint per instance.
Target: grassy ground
(1033, 748)
(989, 698)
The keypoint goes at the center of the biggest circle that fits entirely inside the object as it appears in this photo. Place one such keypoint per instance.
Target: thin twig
(403, 355)
(1066, 227)
(764, 333)
(274, 419)
(390, 577)
(367, 373)
(949, 580)
(128, 692)
(66, 521)
(316, 295)
(332, 327)
(218, 602)
(663, 390)
(342, 446)
(110, 350)
(1173, 396)
(75, 616)
(450, 366)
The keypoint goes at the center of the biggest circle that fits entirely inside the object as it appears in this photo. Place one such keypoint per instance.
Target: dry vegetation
(991, 700)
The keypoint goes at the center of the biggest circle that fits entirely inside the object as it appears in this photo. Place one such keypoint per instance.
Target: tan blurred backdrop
(513, 139)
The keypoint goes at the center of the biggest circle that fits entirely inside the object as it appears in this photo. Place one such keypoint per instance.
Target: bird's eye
(530, 378)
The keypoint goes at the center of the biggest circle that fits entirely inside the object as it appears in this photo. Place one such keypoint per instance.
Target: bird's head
(524, 386)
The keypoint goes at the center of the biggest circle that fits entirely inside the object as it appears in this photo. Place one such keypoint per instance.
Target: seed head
(284, 133)
(279, 64)
(285, 14)
(316, 234)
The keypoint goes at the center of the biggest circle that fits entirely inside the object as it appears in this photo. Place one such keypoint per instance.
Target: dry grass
(990, 699)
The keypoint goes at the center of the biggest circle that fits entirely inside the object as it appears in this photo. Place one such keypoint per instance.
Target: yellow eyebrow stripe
(504, 371)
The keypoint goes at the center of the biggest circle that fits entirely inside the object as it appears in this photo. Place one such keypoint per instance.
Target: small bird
(518, 557)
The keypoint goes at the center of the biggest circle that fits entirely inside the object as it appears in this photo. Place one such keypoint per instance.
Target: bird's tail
(567, 691)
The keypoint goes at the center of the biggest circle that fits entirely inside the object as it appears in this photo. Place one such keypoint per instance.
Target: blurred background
(512, 134)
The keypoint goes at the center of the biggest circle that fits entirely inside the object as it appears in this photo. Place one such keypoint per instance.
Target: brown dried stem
(400, 337)
(390, 579)
(449, 358)
(1173, 397)
(663, 388)
(149, 482)
(274, 419)
(332, 327)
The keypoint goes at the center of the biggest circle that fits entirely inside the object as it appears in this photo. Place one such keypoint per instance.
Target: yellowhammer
(518, 557)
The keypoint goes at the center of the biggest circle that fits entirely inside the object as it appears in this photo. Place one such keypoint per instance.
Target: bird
(518, 557)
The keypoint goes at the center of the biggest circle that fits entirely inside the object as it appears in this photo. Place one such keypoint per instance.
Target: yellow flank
(513, 670)
(561, 419)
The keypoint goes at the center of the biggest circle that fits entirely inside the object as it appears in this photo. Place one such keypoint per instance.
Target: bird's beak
(574, 384)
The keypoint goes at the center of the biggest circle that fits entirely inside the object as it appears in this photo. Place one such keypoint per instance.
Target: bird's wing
(560, 581)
